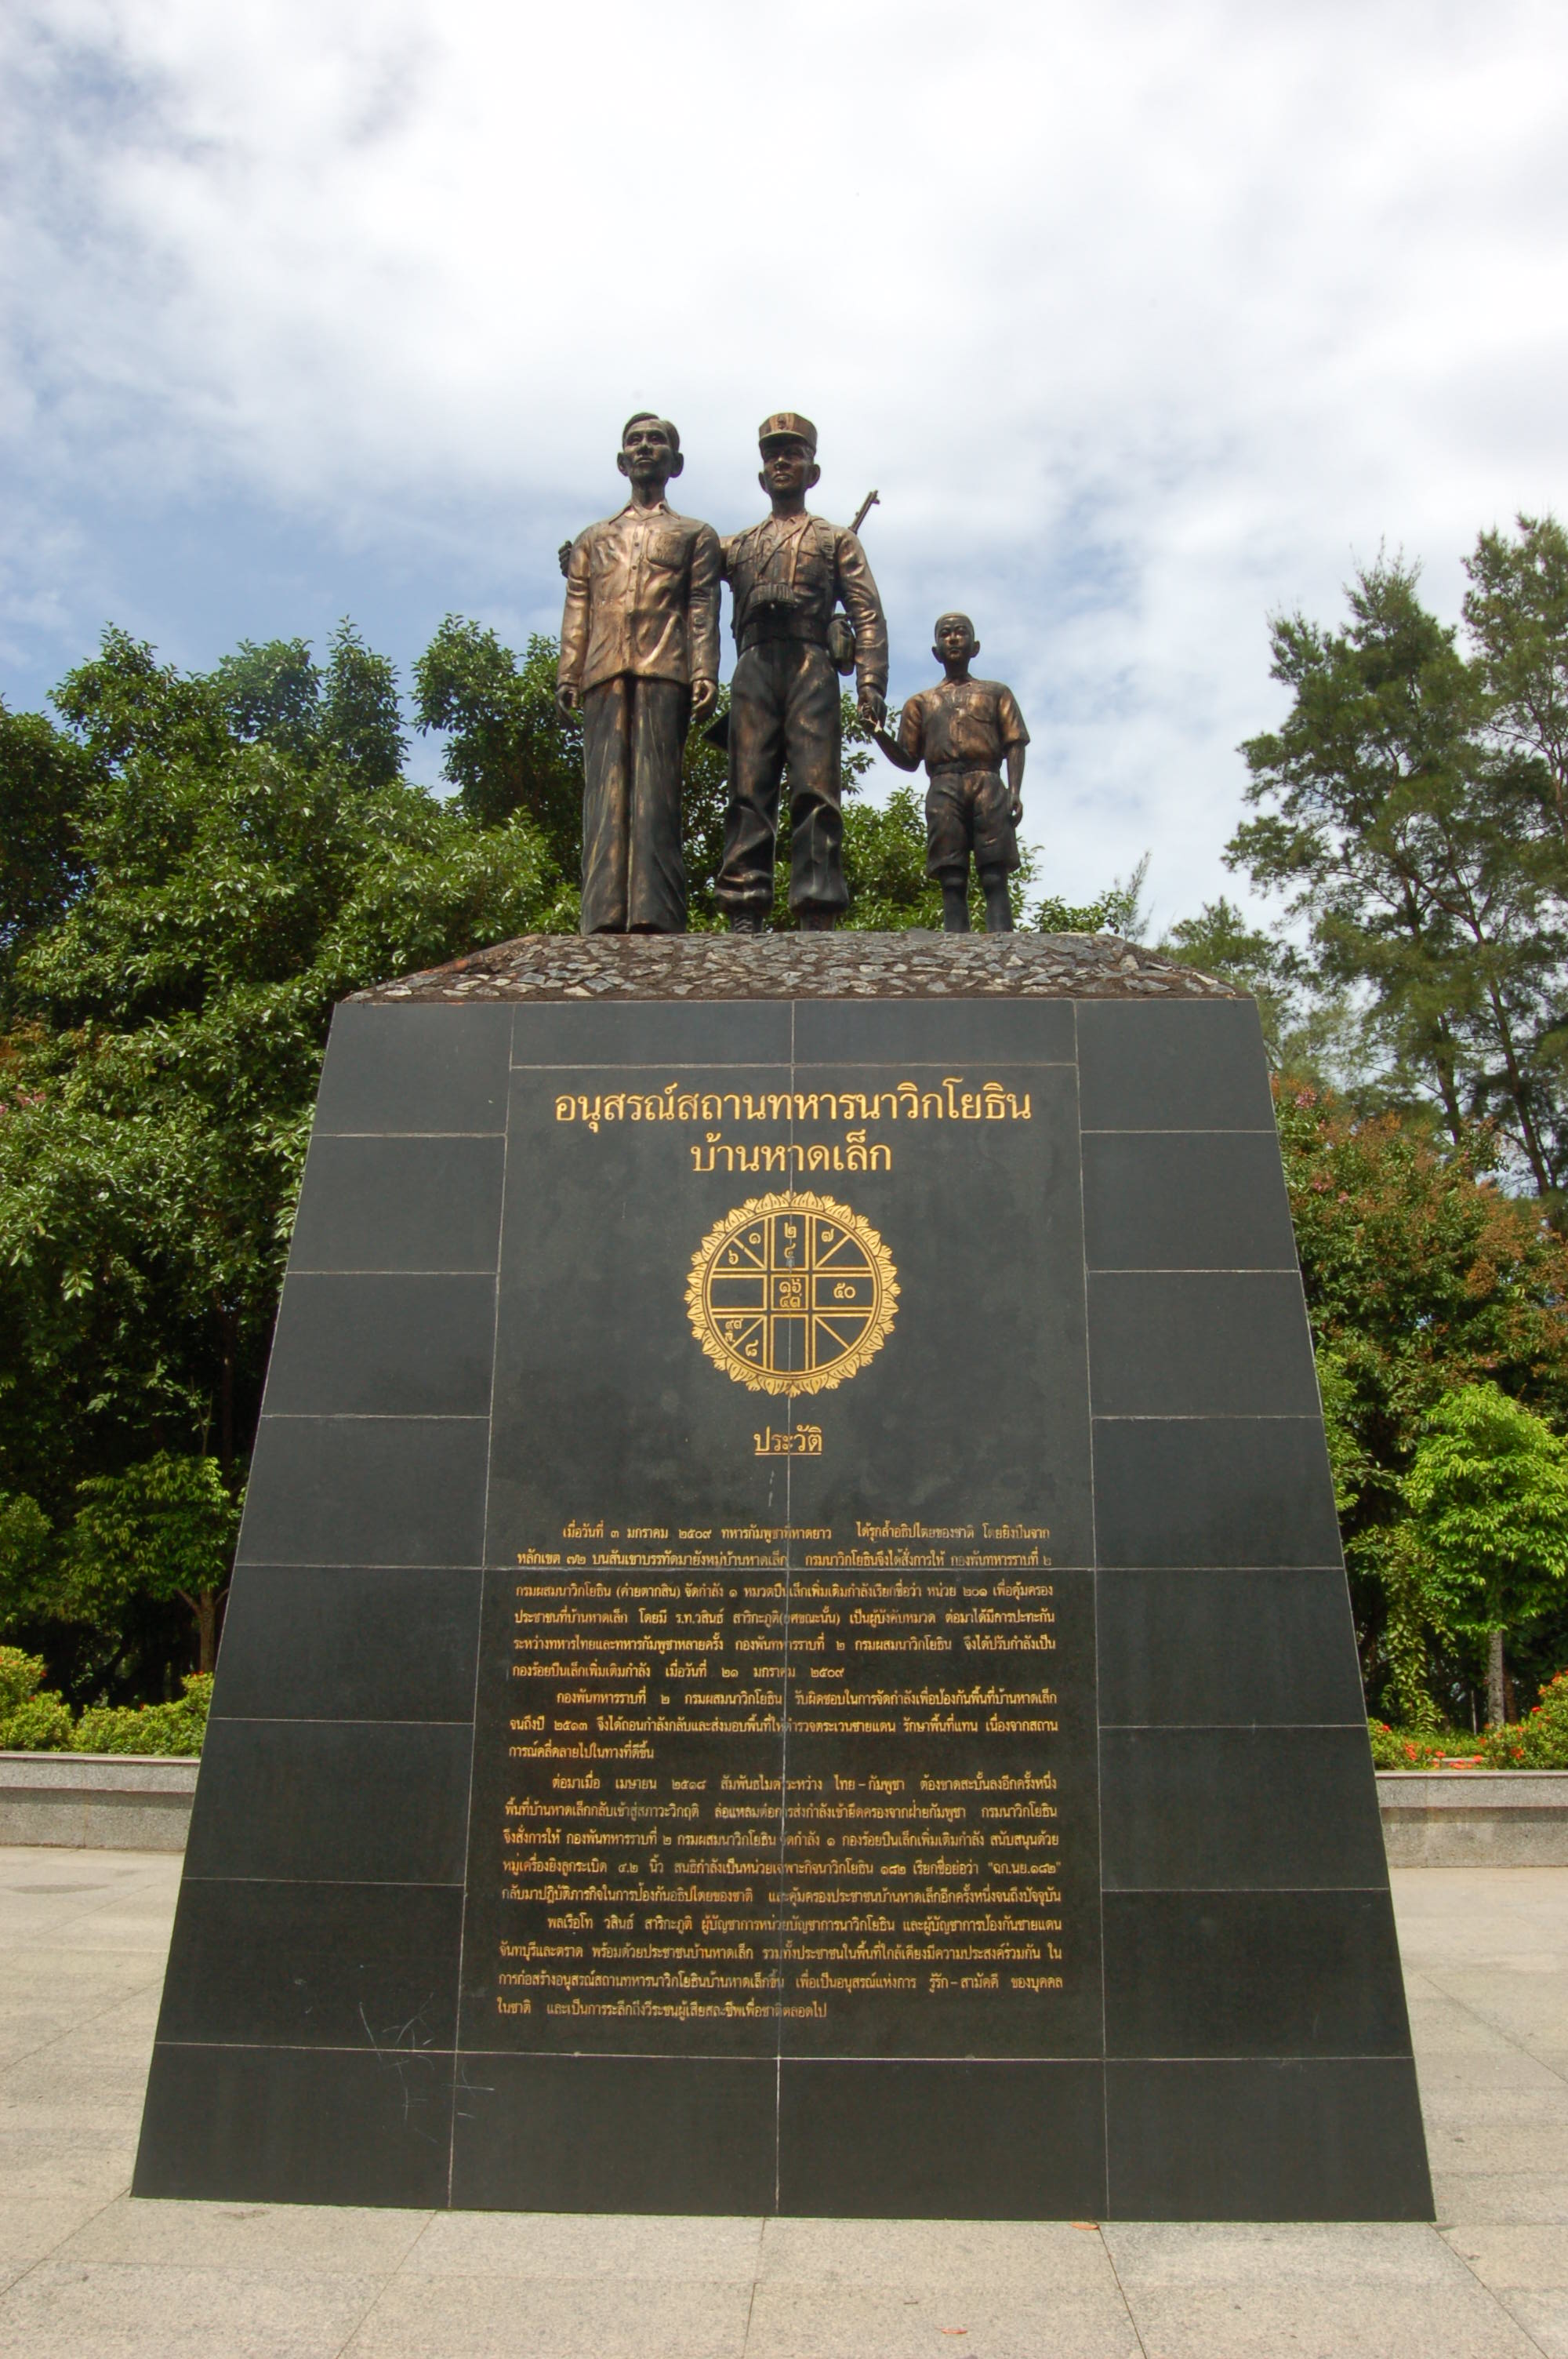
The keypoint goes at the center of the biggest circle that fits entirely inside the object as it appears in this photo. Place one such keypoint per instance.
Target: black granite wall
(463, 1923)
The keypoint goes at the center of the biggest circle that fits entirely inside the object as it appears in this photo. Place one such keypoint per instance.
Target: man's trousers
(783, 710)
(633, 873)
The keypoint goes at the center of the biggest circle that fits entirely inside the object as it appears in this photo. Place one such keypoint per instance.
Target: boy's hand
(1015, 808)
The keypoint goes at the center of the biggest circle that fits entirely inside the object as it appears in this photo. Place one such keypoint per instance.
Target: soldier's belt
(781, 623)
(982, 768)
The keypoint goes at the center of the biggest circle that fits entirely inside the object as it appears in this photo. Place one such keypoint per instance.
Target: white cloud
(1143, 318)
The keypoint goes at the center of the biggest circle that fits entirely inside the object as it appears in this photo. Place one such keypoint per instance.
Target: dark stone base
(943, 1792)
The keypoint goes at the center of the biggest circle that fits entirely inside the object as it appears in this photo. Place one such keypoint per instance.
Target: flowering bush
(1539, 1742)
(1413, 1748)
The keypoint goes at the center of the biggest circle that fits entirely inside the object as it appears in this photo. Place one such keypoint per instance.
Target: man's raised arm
(862, 604)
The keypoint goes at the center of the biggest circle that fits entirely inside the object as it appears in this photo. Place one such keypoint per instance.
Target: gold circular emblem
(791, 1294)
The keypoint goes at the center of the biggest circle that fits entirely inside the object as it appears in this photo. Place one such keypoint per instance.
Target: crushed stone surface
(911, 965)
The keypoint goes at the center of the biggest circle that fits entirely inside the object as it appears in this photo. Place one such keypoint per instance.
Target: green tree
(167, 1010)
(507, 747)
(43, 778)
(1516, 611)
(1117, 910)
(1487, 1493)
(270, 694)
(1421, 1276)
(362, 726)
(1424, 863)
(276, 695)
(165, 1527)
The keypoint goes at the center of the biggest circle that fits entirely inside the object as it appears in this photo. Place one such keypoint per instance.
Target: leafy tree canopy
(218, 859)
(1487, 1491)
(1410, 813)
(1422, 1279)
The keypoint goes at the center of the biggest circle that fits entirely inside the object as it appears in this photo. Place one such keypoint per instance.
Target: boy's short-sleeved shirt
(965, 724)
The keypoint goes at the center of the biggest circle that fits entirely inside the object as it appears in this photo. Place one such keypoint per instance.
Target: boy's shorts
(969, 811)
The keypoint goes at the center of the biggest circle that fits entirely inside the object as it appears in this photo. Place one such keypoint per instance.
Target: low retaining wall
(1474, 1818)
(96, 1801)
(1432, 1818)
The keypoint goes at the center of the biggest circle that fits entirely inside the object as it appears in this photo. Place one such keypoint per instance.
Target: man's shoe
(817, 921)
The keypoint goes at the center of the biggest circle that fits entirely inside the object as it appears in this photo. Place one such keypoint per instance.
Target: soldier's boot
(748, 921)
(817, 921)
(999, 904)
(954, 904)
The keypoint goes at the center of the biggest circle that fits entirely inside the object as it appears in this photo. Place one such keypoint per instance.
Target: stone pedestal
(790, 1650)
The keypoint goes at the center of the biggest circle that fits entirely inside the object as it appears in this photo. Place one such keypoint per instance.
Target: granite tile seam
(540, 967)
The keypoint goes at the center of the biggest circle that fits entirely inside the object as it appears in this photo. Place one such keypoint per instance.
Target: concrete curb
(98, 1801)
(1474, 1818)
(1432, 1818)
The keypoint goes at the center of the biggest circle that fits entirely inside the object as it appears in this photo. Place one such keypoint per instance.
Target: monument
(640, 659)
(790, 1651)
(788, 576)
(964, 730)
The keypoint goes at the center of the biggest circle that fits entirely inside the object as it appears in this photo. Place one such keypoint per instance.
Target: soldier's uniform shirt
(961, 729)
(787, 575)
(640, 625)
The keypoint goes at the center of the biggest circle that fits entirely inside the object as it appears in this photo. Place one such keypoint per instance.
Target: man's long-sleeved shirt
(789, 573)
(641, 597)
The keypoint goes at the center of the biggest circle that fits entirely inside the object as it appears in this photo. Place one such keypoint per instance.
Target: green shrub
(1539, 1742)
(20, 1676)
(147, 1727)
(29, 1723)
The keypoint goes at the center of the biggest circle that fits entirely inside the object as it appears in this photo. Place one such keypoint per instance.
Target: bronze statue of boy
(639, 657)
(787, 575)
(964, 730)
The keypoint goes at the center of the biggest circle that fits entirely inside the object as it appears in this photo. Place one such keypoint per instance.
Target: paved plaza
(87, 2272)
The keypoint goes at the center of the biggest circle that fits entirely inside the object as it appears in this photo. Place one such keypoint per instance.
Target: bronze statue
(787, 576)
(962, 729)
(639, 657)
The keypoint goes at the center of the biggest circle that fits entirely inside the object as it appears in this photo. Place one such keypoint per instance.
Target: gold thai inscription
(909, 1675)
(651, 1893)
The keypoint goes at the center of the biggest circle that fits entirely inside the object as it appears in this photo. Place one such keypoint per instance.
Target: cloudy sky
(1145, 317)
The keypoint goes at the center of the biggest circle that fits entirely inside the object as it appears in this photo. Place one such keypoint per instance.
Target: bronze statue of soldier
(640, 657)
(964, 730)
(787, 576)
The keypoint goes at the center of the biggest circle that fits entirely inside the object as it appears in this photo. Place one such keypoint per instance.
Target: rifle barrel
(871, 500)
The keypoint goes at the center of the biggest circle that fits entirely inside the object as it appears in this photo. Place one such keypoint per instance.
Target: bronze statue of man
(640, 657)
(964, 730)
(788, 575)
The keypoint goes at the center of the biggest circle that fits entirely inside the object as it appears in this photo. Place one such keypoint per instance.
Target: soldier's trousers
(784, 711)
(633, 873)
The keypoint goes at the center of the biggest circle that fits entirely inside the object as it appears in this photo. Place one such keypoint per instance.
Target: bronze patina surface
(640, 659)
(964, 730)
(787, 576)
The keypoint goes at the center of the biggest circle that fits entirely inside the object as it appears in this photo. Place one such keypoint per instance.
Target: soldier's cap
(788, 426)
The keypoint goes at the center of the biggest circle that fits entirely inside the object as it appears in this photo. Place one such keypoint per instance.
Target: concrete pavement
(85, 2271)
